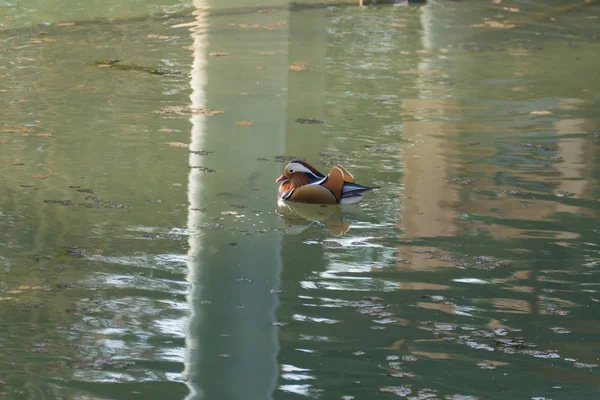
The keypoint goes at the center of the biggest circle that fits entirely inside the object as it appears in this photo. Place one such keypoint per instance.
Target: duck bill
(281, 178)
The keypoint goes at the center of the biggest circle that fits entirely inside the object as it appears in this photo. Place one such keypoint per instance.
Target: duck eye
(291, 171)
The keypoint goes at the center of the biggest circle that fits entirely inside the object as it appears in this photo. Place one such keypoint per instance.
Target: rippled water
(143, 252)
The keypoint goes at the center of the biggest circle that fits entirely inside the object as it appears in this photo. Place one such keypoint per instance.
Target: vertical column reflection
(231, 341)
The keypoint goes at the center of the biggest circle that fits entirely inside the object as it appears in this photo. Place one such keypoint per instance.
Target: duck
(302, 183)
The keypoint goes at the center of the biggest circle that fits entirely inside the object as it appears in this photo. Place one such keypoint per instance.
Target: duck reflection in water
(298, 217)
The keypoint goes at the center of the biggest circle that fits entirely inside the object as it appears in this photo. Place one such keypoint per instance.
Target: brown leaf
(3, 141)
(39, 176)
(16, 129)
(298, 66)
(267, 11)
(187, 111)
(229, 213)
(44, 134)
(103, 65)
(494, 24)
(16, 163)
(244, 123)
(218, 54)
(65, 23)
(541, 112)
(177, 144)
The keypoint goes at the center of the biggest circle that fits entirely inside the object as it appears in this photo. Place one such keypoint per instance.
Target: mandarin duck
(302, 183)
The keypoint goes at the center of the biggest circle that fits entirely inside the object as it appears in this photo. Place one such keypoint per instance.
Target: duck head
(296, 167)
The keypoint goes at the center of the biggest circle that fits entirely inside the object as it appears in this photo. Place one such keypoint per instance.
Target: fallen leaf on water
(6, 298)
(266, 53)
(65, 23)
(267, 11)
(39, 41)
(229, 213)
(260, 68)
(218, 54)
(44, 134)
(244, 123)
(103, 65)
(16, 163)
(177, 144)
(252, 26)
(398, 26)
(541, 112)
(2, 76)
(298, 66)
(39, 176)
(16, 129)
(161, 37)
(187, 111)
(494, 24)
(13, 291)
(3, 141)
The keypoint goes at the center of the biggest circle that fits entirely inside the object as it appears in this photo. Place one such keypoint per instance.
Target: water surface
(143, 252)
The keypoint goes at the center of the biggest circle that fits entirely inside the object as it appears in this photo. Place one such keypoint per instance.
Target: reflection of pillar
(426, 211)
(231, 342)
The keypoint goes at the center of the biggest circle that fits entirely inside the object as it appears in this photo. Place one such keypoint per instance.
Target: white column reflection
(231, 341)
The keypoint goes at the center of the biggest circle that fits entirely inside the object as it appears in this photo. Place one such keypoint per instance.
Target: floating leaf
(298, 66)
(244, 123)
(218, 54)
(3, 141)
(267, 11)
(229, 213)
(177, 144)
(16, 129)
(494, 24)
(39, 176)
(16, 163)
(187, 111)
(44, 134)
(65, 23)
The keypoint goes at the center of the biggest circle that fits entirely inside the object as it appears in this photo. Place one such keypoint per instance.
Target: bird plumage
(302, 183)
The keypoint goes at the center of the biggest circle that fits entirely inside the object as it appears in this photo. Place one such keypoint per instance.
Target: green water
(143, 254)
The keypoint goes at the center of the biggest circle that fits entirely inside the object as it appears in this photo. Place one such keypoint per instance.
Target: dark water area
(143, 253)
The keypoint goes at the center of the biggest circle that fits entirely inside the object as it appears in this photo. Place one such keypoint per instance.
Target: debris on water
(540, 146)
(203, 169)
(541, 112)
(86, 190)
(595, 134)
(461, 181)
(177, 144)
(374, 299)
(474, 143)
(279, 324)
(201, 152)
(298, 66)
(229, 213)
(286, 158)
(247, 280)
(275, 291)
(39, 176)
(244, 123)
(16, 129)
(187, 111)
(154, 201)
(219, 54)
(210, 227)
(118, 65)
(240, 206)
(67, 203)
(309, 121)
(562, 193)
(516, 192)
(233, 243)
(160, 37)
(66, 285)
(75, 252)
